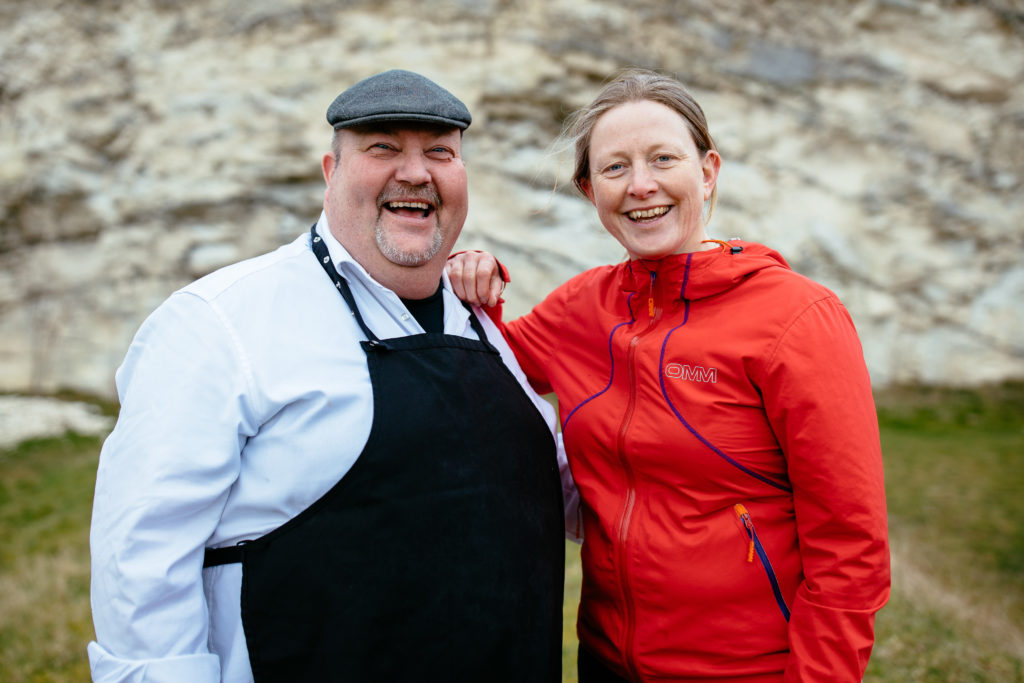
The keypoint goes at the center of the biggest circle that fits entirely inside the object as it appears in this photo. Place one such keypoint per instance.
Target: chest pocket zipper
(756, 547)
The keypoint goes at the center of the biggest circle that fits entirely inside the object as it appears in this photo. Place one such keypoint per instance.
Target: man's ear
(327, 165)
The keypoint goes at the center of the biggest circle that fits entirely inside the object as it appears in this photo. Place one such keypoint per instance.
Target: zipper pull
(650, 299)
(745, 518)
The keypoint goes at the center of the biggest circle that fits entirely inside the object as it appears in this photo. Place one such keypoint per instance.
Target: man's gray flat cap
(397, 95)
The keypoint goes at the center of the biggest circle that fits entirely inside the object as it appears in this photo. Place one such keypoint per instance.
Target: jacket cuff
(828, 643)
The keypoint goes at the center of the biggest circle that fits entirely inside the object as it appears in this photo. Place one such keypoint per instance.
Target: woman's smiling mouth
(641, 215)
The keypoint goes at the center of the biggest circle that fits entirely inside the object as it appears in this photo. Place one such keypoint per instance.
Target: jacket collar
(701, 274)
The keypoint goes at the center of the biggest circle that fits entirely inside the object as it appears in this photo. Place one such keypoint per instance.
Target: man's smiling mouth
(413, 209)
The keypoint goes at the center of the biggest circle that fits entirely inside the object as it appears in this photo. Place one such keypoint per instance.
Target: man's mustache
(423, 193)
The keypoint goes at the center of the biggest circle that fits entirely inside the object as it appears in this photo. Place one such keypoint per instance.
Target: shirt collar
(342, 260)
(349, 267)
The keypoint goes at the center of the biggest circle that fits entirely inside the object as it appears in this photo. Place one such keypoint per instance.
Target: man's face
(397, 197)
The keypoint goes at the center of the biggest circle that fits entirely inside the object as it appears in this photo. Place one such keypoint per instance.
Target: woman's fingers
(475, 277)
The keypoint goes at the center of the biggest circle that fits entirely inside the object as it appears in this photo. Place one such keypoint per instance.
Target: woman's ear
(710, 166)
(588, 189)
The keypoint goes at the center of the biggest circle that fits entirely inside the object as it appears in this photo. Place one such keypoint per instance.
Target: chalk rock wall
(879, 145)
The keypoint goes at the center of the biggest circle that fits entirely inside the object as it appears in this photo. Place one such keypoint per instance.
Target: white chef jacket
(244, 398)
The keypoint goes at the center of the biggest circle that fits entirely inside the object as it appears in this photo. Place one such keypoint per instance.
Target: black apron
(439, 556)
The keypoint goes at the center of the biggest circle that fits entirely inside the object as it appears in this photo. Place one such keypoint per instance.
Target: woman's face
(648, 180)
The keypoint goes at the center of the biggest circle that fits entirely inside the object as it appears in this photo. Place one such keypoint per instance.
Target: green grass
(955, 479)
(573, 581)
(954, 463)
(45, 502)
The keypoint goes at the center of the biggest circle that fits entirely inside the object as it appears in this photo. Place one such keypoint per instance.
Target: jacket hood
(704, 273)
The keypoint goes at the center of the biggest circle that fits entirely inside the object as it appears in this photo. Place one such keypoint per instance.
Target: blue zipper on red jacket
(755, 546)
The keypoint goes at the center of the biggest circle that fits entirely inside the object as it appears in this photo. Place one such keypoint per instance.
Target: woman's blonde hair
(635, 85)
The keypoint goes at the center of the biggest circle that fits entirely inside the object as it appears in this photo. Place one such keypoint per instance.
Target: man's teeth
(422, 206)
(648, 213)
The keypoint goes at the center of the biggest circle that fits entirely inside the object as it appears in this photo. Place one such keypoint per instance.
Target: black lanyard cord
(322, 255)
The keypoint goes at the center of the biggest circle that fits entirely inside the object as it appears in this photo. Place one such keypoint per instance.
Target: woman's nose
(413, 169)
(642, 182)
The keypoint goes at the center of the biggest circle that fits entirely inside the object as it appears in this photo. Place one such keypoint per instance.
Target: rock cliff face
(879, 145)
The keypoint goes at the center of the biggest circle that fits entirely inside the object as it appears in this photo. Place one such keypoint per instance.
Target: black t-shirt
(429, 312)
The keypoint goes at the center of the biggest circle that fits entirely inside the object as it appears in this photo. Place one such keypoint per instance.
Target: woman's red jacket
(719, 424)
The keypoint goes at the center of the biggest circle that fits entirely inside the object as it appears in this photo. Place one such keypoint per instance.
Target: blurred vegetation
(45, 502)
(954, 462)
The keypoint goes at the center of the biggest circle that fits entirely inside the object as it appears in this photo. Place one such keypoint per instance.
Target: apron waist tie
(214, 557)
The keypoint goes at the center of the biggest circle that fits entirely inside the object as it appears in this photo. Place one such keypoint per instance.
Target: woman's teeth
(641, 214)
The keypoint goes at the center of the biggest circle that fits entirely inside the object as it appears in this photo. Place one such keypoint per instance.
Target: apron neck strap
(324, 258)
(474, 322)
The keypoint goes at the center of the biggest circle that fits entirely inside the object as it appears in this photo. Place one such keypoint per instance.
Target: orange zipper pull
(745, 518)
(650, 298)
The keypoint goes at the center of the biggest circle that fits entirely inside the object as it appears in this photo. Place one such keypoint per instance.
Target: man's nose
(642, 182)
(412, 169)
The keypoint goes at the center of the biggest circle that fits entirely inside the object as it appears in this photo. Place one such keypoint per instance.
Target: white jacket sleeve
(163, 479)
(570, 495)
